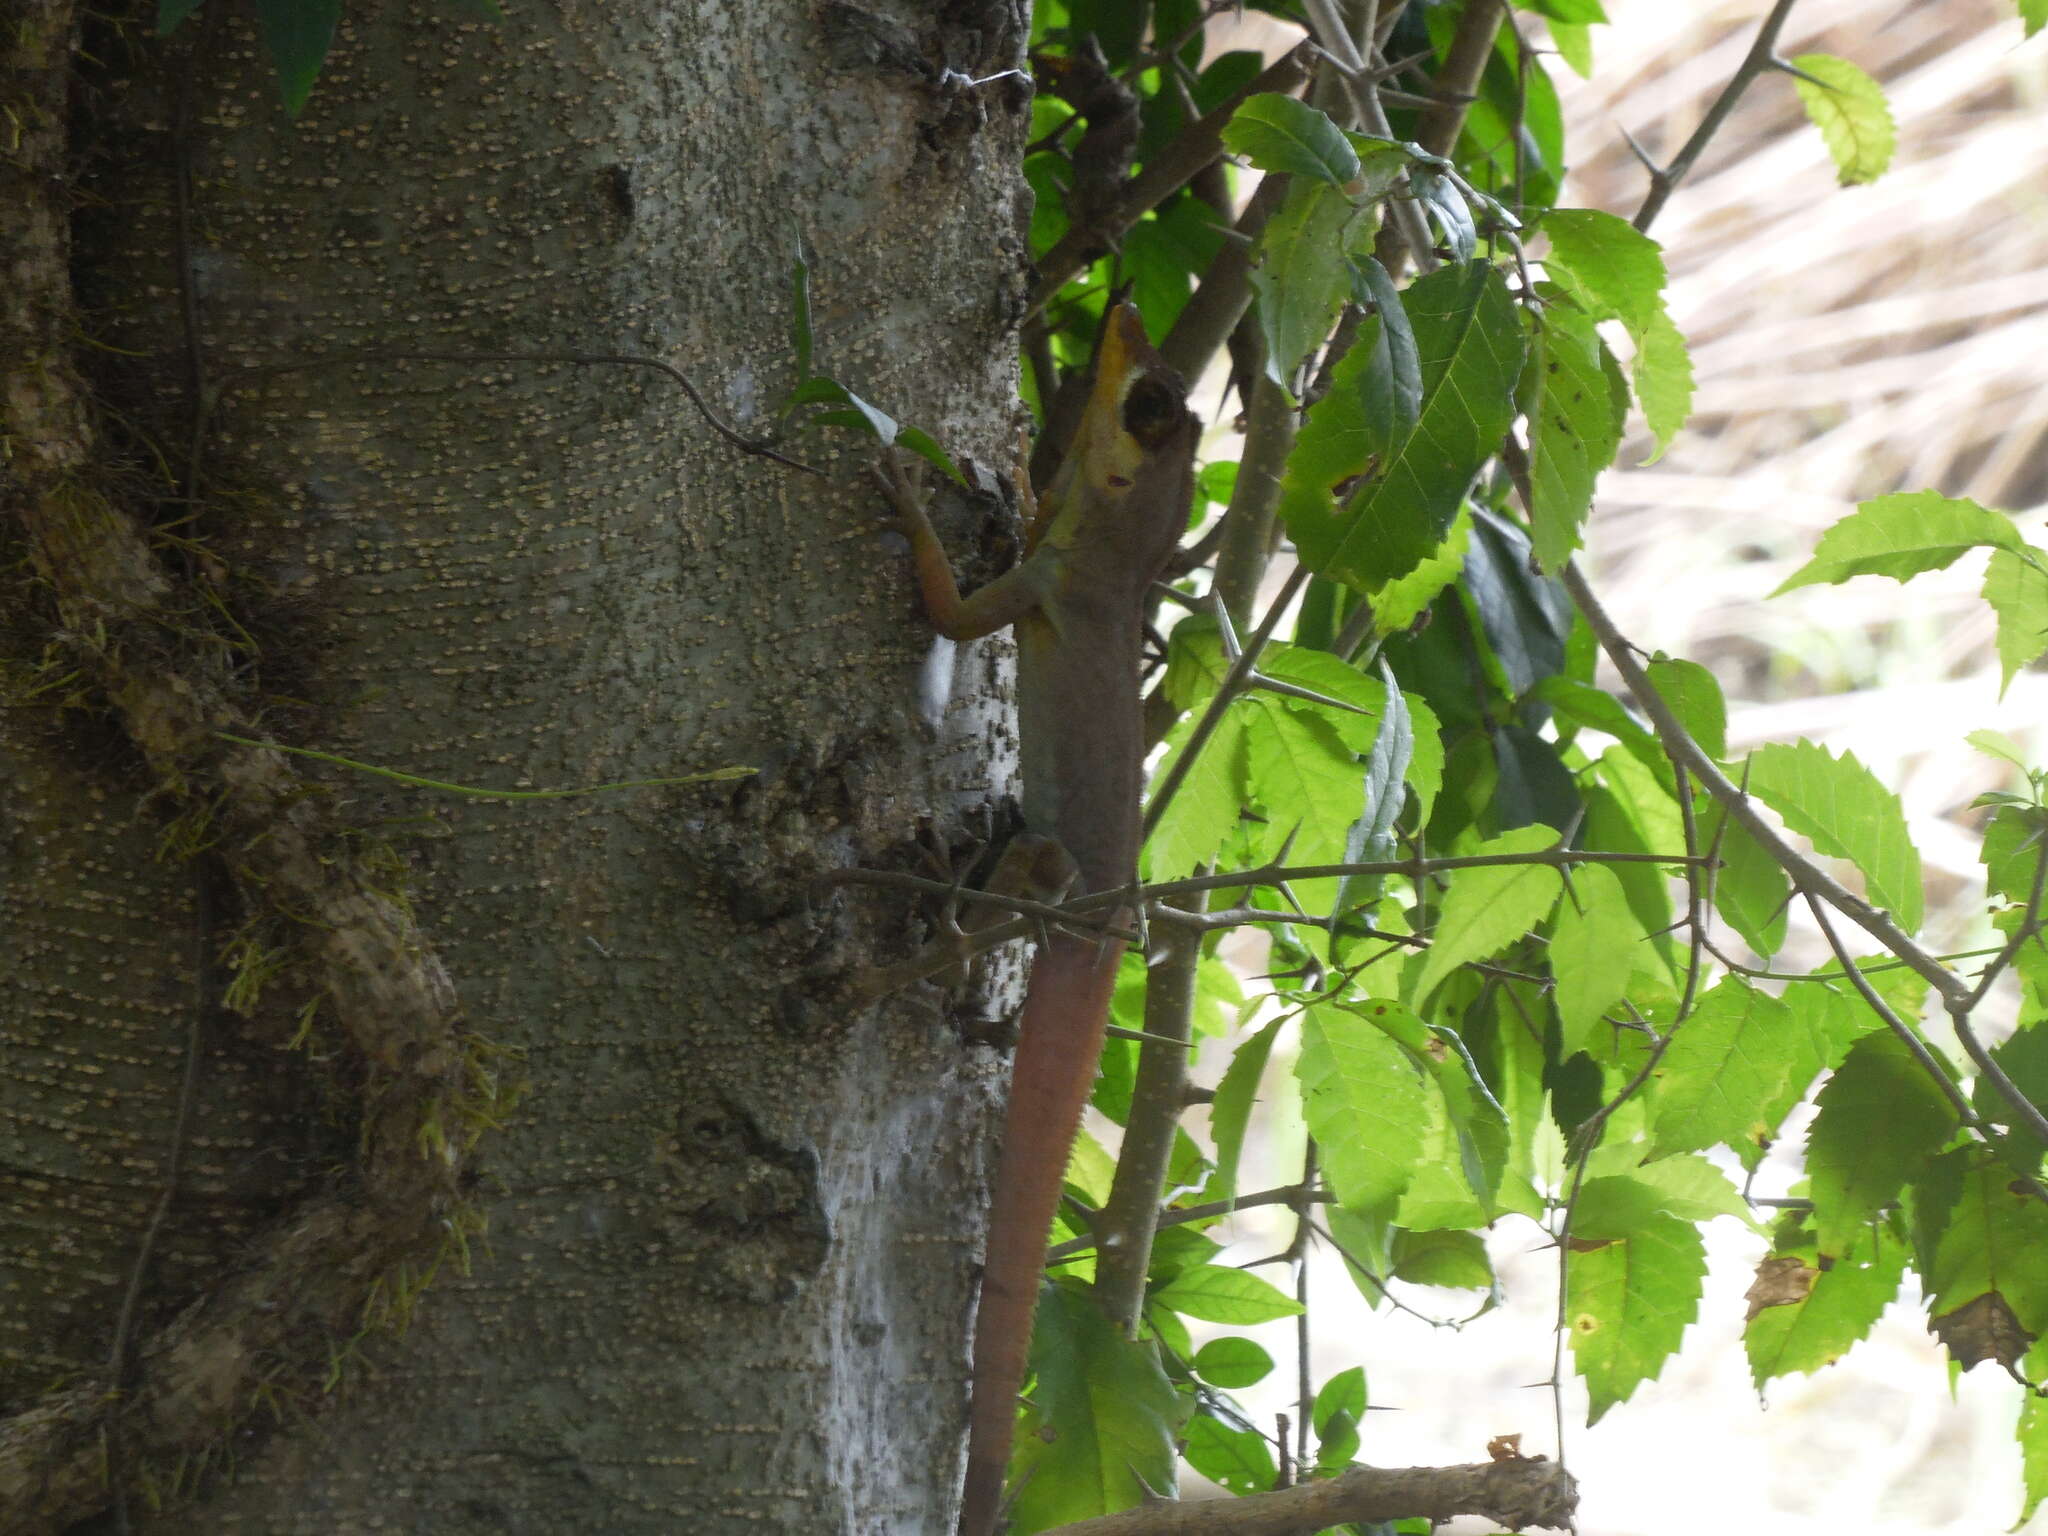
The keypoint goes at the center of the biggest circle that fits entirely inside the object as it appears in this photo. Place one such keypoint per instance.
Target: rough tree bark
(728, 1267)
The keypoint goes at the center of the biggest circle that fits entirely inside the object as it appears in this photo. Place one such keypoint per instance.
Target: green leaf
(170, 14)
(1574, 44)
(2034, 13)
(1453, 1260)
(1470, 345)
(1693, 695)
(1371, 838)
(1279, 133)
(1204, 812)
(297, 34)
(1113, 1411)
(1338, 1411)
(1752, 892)
(1614, 269)
(1850, 110)
(1848, 814)
(1879, 1118)
(1992, 1243)
(1392, 383)
(1216, 1293)
(1301, 276)
(1343, 435)
(1362, 1099)
(1901, 536)
(800, 336)
(2023, 1057)
(1997, 744)
(1726, 1063)
(1617, 272)
(1570, 12)
(1305, 779)
(1232, 1362)
(1632, 1285)
(1231, 1110)
(1592, 953)
(2032, 1430)
(1839, 1310)
(2017, 591)
(1574, 428)
(1235, 1459)
(1489, 907)
(1690, 1188)
(1401, 602)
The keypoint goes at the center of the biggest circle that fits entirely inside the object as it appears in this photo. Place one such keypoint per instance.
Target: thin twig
(1761, 58)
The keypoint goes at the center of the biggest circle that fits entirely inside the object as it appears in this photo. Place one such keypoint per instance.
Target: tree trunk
(729, 1259)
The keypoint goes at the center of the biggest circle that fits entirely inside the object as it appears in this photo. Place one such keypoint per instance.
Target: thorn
(1786, 66)
(1657, 172)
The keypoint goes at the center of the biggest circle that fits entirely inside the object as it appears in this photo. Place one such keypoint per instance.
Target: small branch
(1129, 1218)
(1200, 144)
(1806, 875)
(1907, 1035)
(1761, 58)
(1523, 1492)
(1293, 1194)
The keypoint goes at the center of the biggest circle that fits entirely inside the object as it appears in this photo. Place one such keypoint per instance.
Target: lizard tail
(1059, 1038)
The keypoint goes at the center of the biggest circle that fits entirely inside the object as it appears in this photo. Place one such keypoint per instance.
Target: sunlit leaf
(1849, 108)
(1490, 906)
(1901, 536)
(1848, 814)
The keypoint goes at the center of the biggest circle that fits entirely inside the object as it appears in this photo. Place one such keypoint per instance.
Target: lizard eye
(1153, 410)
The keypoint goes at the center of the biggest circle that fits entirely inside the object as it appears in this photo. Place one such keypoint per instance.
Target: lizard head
(1136, 433)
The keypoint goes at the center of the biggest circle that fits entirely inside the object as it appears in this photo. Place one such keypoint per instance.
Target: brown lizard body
(1110, 520)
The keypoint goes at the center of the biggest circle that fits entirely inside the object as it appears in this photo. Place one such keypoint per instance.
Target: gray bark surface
(729, 1266)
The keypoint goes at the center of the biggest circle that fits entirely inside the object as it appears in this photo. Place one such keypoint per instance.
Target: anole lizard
(1100, 536)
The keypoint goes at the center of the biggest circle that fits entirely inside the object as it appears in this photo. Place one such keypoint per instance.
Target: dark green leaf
(1279, 133)
(1235, 1459)
(1392, 382)
(1879, 1118)
(297, 34)
(1115, 1411)
(919, 442)
(171, 13)
(800, 312)
(1301, 274)
(1526, 616)
(1232, 1362)
(1470, 344)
